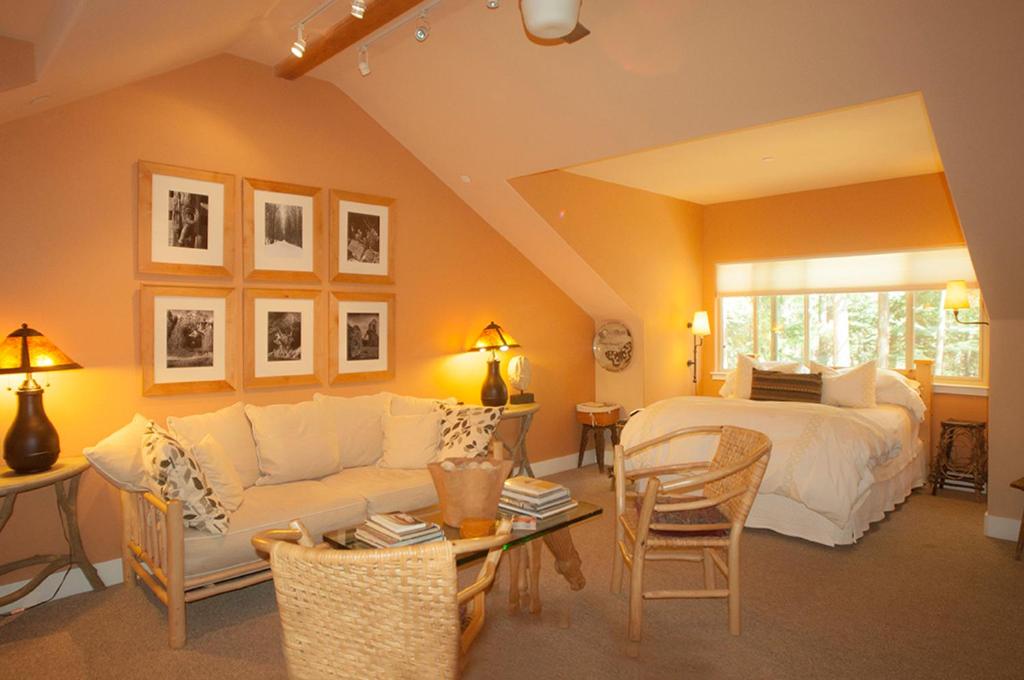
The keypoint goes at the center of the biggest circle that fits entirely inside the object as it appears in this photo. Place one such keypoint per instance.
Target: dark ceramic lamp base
(494, 392)
(32, 444)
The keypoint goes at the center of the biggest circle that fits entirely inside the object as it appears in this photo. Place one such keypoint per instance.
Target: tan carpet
(924, 594)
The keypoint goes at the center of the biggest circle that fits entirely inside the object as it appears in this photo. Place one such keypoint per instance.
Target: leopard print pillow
(174, 474)
(467, 430)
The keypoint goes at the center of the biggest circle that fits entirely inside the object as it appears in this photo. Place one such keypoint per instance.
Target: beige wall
(67, 184)
(647, 247)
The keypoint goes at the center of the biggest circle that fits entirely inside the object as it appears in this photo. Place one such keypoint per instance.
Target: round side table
(63, 477)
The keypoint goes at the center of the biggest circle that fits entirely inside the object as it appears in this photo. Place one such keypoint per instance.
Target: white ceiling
(875, 141)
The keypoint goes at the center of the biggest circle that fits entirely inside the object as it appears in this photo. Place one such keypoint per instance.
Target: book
(539, 514)
(523, 523)
(530, 486)
(533, 504)
(388, 535)
(375, 541)
(399, 522)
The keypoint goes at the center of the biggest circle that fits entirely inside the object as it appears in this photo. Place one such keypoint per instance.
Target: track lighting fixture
(358, 8)
(364, 61)
(422, 29)
(299, 46)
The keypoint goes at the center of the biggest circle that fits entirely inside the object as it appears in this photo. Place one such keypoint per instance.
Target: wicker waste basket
(471, 490)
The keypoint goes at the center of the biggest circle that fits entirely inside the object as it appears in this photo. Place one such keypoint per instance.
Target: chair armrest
(296, 533)
(667, 469)
(496, 545)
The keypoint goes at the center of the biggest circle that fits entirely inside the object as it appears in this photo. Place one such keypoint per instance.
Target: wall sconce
(700, 327)
(957, 299)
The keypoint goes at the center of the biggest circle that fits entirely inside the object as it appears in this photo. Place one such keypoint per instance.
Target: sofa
(328, 463)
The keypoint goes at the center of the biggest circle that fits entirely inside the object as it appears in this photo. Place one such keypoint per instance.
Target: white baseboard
(1005, 528)
(109, 571)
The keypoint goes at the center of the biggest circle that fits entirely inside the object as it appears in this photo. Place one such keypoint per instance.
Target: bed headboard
(922, 373)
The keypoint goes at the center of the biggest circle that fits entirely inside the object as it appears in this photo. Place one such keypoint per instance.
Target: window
(849, 328)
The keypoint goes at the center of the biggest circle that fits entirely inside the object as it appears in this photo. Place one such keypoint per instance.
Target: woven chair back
(734, 445)
(368, 613)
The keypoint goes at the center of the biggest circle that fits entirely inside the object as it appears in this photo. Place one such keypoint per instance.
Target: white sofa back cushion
(410, 442)
(220, 473)
(231, 428)
(357, 425)
(293, 442)
(417, 406)
(118, 457)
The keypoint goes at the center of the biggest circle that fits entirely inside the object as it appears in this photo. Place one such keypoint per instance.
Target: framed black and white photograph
(186, 221)
(362, 238)
(282, 237)
(187, 338)
(283, 338)
(362, 336)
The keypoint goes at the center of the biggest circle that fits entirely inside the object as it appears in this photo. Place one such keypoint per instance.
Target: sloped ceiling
(480, 99)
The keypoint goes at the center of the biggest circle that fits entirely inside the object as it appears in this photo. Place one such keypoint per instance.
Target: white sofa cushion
(219, 472)
(357, 425)
(231, 428)
(118, 457)
(410, 442)
(385, 490)
(417, 406)
(293, 442)
(318, 506)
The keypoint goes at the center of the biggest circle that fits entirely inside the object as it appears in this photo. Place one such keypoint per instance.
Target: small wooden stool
(598, 423)
(1019, 484)
(962, 455)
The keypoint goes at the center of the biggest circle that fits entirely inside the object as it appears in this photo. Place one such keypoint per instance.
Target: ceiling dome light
(550, 19)
(299, 46)
(358, 8)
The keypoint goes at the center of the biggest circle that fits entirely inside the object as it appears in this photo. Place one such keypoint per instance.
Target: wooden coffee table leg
(513, 580)
(567, 559)
(535, 605)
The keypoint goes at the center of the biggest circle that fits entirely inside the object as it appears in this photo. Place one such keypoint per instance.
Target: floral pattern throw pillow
(175, 475)
(467, 430)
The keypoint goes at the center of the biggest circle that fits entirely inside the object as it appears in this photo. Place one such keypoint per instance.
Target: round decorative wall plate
(613, 346)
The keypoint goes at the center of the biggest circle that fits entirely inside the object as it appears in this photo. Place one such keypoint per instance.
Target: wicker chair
(377, 613)
(664, 523)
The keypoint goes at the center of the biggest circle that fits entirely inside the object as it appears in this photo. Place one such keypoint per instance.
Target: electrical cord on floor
(7, 617)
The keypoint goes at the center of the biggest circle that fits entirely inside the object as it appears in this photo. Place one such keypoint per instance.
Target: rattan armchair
(696, 516)
(391, 613)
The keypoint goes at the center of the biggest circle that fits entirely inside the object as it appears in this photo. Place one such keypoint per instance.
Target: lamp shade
(701, 326)
(956, 295)
(26, 350)
(550, 19)
(492, 337)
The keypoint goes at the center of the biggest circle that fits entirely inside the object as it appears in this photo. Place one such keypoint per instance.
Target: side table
(962, 455)
(63, 477)
(524, 414)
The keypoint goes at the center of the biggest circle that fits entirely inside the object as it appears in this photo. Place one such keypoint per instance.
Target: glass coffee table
(524, 565)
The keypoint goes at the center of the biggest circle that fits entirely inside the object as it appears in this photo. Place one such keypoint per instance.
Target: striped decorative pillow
(778, 386)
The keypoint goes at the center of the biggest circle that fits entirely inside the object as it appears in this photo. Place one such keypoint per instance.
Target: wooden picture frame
(362, 309)
(268, 366)
(188, 335)
(376, 213)
(186, 221)
(295, 256)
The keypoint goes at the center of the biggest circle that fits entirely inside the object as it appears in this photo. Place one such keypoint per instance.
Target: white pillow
(220, 473)
(356, 422)
(853, 388)
(467, 430)
(118, 457)
(410, 442)
(231, 428)
(895, 388)
(743, 376)
(416, 406)
(293, 442)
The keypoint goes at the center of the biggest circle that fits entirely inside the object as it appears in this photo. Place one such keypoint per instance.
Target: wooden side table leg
(584, 431)
(524, 429)
(1020, 541)
(67, 500)
(599, 448)
(7, 509)
(535, 605)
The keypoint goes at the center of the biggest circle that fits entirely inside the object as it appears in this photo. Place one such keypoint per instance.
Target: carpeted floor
(923, 595)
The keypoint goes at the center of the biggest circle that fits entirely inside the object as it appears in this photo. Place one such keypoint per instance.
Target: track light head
(422, 31)
(358, 8)
(299, 46)
(364, 61)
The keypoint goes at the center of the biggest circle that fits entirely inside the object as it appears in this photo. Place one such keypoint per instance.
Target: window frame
(982, 379)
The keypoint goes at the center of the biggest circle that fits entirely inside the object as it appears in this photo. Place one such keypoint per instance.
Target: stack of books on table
(535, 497)
(395, 529)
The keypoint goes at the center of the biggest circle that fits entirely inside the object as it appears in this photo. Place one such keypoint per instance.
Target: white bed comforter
(822, 456)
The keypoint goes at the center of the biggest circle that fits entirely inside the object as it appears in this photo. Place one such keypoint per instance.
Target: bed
(833, 470)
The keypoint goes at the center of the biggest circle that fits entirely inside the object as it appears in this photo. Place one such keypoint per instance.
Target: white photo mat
(270, 258)
(350, 266)
(263, 367)
(380, 309)
(162, 372)
(161, 249)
